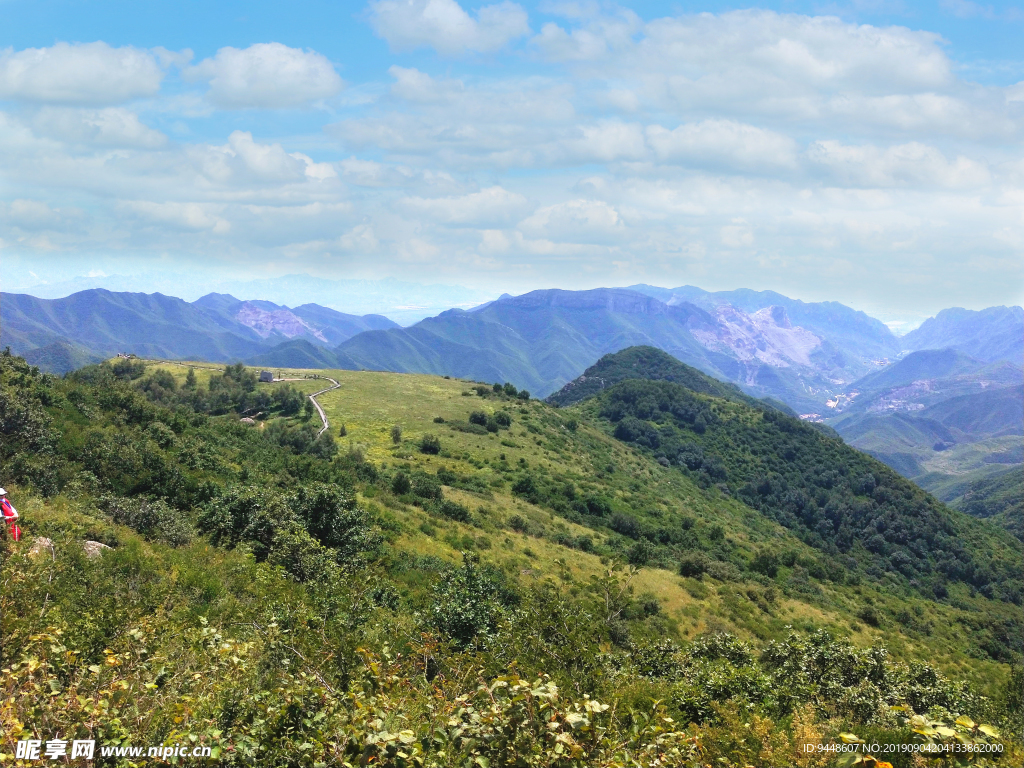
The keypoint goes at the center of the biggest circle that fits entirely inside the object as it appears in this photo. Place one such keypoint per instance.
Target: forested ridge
(840, 501)
(267, 594)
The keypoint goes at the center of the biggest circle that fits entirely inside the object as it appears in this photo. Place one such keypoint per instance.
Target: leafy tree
(396, 434)
(430, 444)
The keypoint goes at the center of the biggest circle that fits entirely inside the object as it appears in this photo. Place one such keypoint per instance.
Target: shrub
(510, 389)
(401, 484)
(693, 565)
(332, 518)
(518, 523)
(478, 417)
(155, 520)
(524, 394)
(469, 601)
(453, 511)
(396, 434)
(525, 486)
(627, 525)
(870, 616)
(766, 562)
(161, 434)
(426, 487)
(430, 444)
(439, 419)
(640, 553)
(503, 419)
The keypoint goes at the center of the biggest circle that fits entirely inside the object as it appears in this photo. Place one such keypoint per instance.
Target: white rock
(93, 549)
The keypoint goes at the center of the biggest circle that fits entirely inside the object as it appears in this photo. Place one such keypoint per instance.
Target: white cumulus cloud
(108, 127)
(494, 204)
(910, 164)
(187, 216)
(93, 74)
(717, 143)
(579, 221)
(445, 26)
(266, 76)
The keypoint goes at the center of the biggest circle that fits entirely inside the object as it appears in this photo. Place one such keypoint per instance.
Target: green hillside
(1000, 497)
(456, 575)
(641, 362)
(862, 514)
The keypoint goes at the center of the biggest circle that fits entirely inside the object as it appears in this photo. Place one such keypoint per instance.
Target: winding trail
(323, 416)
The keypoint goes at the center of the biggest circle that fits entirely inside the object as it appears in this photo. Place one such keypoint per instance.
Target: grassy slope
(370, 403)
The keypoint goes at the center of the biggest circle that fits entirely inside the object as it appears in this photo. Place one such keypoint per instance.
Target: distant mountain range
(804, 354)
(58, 334)
(402, 301)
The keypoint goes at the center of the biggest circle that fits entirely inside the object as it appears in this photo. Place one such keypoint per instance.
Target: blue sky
(867, 152)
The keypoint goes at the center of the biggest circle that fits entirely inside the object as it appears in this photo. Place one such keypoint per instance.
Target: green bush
(401, 484)
(693, 565)
(469, 601)
(430, 444)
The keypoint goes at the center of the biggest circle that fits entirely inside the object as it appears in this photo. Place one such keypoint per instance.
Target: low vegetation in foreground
(458, 575)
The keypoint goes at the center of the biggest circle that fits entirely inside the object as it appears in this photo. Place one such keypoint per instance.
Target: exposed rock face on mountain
(852, 331)
(282, 321)
(766, 335)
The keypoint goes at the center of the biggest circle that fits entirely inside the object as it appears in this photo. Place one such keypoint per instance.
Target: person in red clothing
(10, 515)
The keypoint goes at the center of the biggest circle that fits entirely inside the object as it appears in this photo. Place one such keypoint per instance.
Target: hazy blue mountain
(58, 333)
(105, 323)
(60, 357)
(538, 341)
(940, 417)
(338, 326)
(544, 339)
(405, 302)
(991, 413)
(996, 333)
(926, 364)
(300, 353)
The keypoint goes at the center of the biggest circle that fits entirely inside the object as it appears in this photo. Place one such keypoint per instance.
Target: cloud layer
(582, 146)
